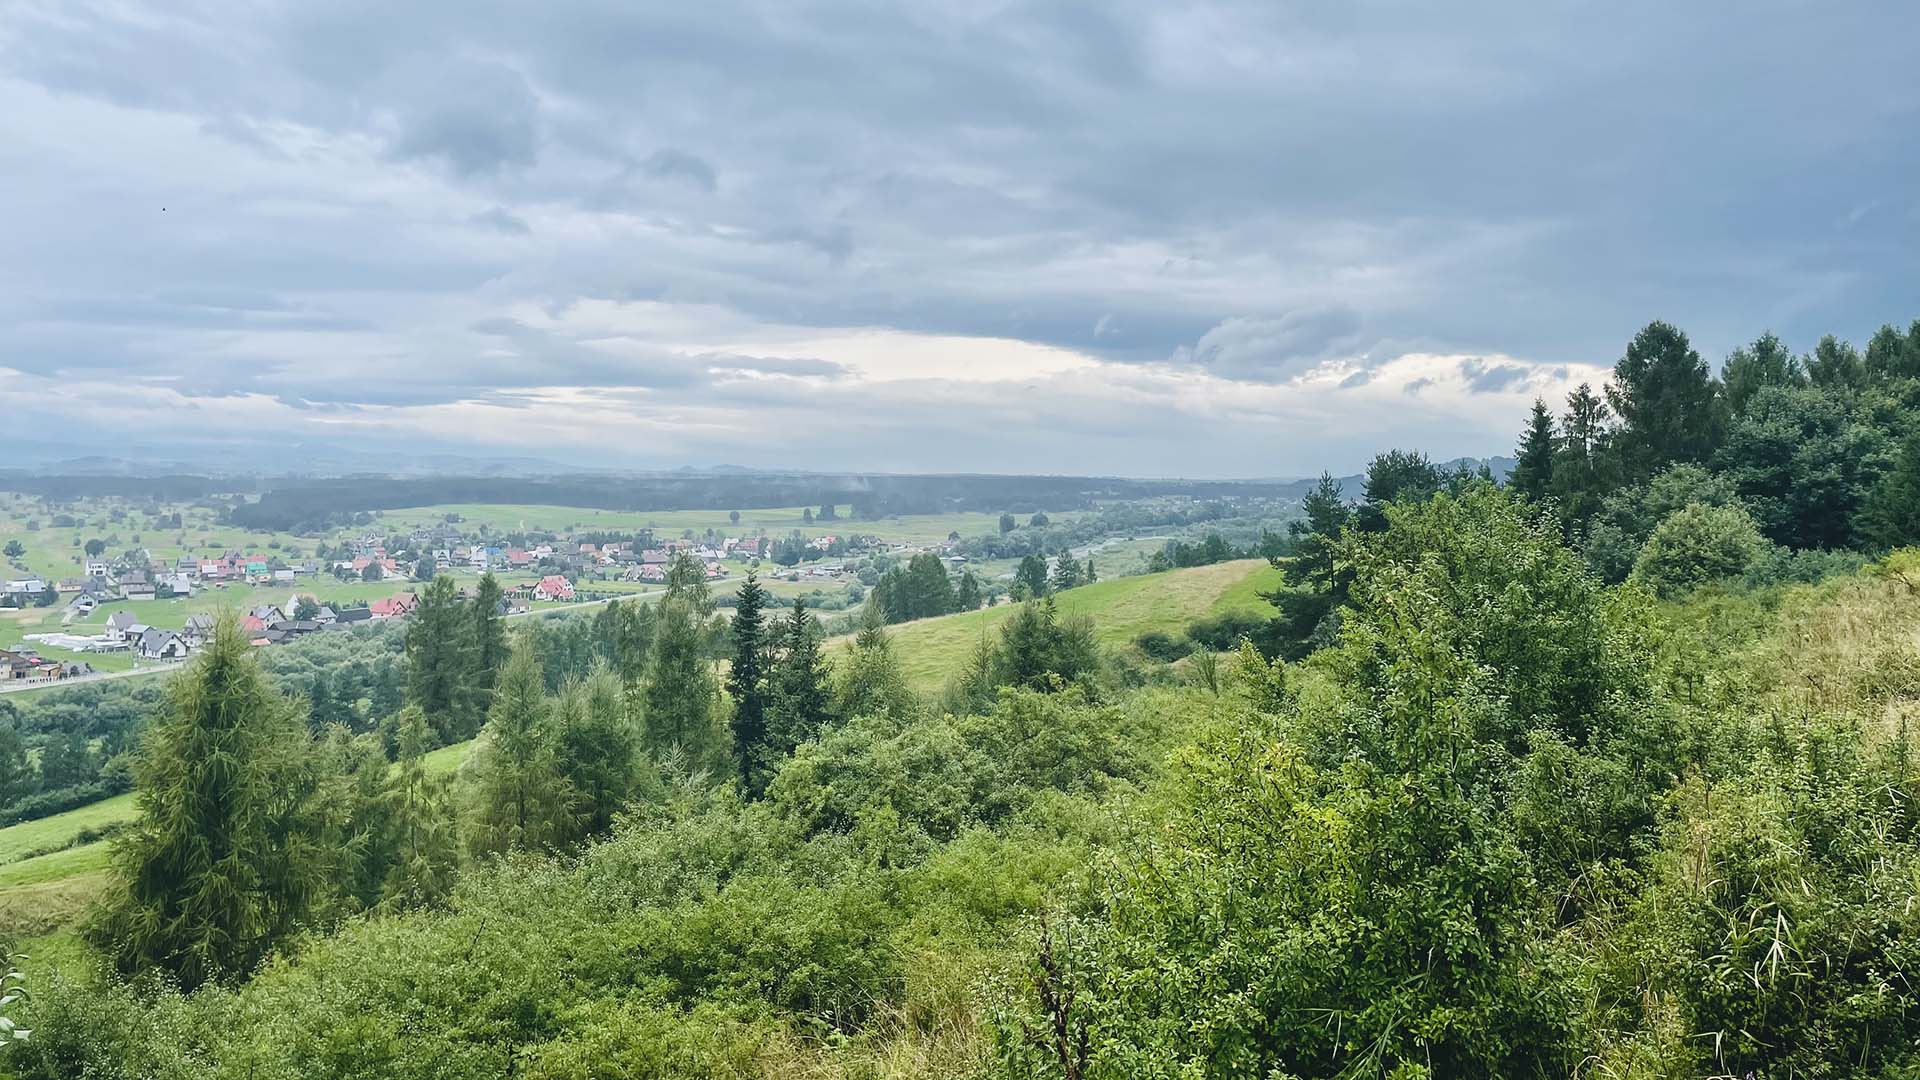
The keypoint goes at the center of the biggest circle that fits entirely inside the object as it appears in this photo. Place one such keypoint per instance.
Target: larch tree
(521, 798)
(232, 851)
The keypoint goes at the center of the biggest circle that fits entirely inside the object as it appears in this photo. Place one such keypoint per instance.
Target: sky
(1125, 238)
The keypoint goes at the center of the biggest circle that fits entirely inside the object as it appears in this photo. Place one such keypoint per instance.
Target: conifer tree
(1532, 474)
(1066, 572)
(1668, 402)
(521, 799)
(966, 594)
(1581, 463)
(746, 684)
(870, 682)
(422, 839)
(487, 644)
(438, 662)
(599, 751)
(1090, 577)
(801, 705)
(1032, 576)
(230, 853)
(680, 687)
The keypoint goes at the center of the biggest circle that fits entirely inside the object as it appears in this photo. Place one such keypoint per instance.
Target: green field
(931, 651)
(49, 832)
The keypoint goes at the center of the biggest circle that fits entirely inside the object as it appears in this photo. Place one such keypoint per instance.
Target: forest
(1606, 769)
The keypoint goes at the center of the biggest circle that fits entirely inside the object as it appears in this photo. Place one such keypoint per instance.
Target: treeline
(315, 505)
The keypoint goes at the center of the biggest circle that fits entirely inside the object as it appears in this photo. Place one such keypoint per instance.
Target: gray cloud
(1246, 189)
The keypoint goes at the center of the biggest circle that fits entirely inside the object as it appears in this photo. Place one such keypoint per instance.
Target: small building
(158, 644)
(120, 625)
(553, 587)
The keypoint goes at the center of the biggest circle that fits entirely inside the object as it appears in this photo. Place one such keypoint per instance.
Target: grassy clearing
(44, 833)
(933, 650)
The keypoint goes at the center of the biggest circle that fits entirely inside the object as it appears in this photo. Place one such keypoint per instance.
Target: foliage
(1695, 545)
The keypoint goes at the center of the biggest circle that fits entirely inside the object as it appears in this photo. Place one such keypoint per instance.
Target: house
(158, 644)
(82, 604)
(120, 625)
(252, 625)
(199, 629)
(268, 614)
(15, 665)
(393, 607)
(70, 585)
(353, 616)
(553, 587)
(96, 568)
(30, 585)
(325, 616)
(181, 584)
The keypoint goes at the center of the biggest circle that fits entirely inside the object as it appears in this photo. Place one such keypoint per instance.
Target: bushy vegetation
(1496, 792)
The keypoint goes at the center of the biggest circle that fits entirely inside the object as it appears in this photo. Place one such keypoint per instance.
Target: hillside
(932, 650)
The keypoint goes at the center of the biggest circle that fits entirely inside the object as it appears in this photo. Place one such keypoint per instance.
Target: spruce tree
(746, 684)
(1532, 474)
(1066, 572)
(521, 799)
(801, 705)
(680, 688)
(230, 853)
(1090, 577)
(1581, 464)
(1668, 403)
(966, 594)
(1032, 576)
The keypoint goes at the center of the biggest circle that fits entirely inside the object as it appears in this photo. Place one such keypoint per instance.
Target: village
(536, 571)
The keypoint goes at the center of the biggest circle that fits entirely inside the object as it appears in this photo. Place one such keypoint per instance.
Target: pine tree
(231, 852)
(1532, 474)
(520, 797)
(746, 684)
(1324, 512)
(801, 707)
(438, 663)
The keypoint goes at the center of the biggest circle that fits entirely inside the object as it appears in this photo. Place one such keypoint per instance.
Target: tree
(1090, 576)
(1836, 365)
(826, 513)
(1581, 472)
(966, 594)
(1802, 465)
(680, 687)
(801, 705)
(1007, 524)
(94, 547)
(1891, 355)
(1668, 402)
(1395, 476)
(1066, 572)
(520, 797)
(1039, 520)
(422, 840)
(15, 549)
(1891, 516)
(439, 662)
(67, 761)
(487, 640)
(306, 608)
(807, 515)
(1767, 362)
(1031, 577)
(599, 752)
(870, 681)
(925, 590)
(373, 571)
(230, 852)
(733, 517)
(1532, 474)
(1696, 545)
(16, 772)
(746, 685)
(1037, 650)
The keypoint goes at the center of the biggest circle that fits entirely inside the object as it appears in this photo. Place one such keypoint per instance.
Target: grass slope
(933, 650)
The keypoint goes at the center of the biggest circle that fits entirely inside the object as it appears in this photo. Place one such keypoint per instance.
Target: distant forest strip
(309, 504)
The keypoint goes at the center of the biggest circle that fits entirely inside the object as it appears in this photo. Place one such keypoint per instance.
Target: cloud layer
(1208, 239)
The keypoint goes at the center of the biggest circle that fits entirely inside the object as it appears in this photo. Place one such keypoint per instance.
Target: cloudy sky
(1151, 238)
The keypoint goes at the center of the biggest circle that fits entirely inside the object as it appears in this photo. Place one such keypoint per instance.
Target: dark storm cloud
(1248, 190)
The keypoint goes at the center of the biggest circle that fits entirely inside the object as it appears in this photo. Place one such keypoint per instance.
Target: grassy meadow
(931, 651)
